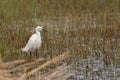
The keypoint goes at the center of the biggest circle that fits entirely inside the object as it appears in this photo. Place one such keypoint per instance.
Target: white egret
(34, 42)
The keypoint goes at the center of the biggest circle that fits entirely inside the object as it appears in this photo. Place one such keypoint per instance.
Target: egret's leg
(25, 55)
(36, 53)
(30, 55)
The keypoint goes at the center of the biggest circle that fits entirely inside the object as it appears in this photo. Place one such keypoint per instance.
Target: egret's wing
(31, 42)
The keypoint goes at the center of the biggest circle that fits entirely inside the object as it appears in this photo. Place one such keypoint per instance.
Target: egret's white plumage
(34, 42)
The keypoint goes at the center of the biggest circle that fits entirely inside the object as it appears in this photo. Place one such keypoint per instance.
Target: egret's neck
(37, 32)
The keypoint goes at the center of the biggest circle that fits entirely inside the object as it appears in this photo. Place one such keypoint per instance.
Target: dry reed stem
(13, 63)
(59, 73)
(24, 65)
(41, 76)
(30, 64)
(54, 60)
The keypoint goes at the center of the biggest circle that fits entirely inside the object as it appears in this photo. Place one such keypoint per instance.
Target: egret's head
(39, 28)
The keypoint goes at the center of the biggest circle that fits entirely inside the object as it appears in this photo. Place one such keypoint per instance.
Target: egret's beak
(44, 30)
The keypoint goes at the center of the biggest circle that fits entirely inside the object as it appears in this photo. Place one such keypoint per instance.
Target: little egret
(34, 42)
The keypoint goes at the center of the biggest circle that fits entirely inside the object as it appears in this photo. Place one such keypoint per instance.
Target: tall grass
(83, 27)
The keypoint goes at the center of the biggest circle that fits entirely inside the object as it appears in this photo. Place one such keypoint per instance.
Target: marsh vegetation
(89, 30)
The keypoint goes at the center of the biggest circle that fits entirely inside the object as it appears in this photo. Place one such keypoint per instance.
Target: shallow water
(94, 68)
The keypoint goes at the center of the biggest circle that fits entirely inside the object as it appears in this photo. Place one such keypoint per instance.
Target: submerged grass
(84, 27)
